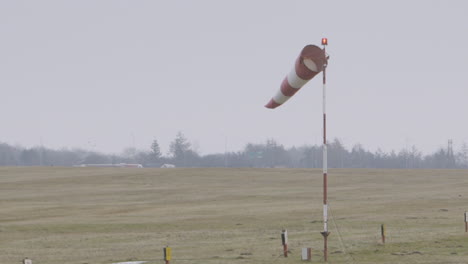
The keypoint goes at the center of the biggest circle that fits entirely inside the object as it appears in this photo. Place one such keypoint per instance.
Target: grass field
(105, 215)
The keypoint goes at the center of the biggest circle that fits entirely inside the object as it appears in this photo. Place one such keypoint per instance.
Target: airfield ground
(105, 215)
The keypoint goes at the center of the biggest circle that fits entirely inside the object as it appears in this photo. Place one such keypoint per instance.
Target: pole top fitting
(324, 41)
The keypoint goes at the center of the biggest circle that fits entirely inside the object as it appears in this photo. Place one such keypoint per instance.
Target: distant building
(168, 166)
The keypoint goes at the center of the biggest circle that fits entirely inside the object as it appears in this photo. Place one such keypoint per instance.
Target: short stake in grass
(307, 254)
(284, 240)
(167, 254)
(27, 261)
(383, 233)
(466, 222)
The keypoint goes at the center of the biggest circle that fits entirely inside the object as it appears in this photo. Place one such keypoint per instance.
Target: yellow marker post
(167, 254)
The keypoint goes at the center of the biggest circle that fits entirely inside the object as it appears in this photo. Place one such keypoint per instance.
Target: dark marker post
(383, 233)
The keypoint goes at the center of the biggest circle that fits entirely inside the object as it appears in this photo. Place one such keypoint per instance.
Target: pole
(466, 222)
(383, 233)
(284, 240)
(167, 254)
(325, 232)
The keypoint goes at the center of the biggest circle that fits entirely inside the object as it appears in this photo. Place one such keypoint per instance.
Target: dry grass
(105, 215)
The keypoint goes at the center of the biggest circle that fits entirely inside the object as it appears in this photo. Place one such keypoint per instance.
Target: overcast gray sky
(105, 75)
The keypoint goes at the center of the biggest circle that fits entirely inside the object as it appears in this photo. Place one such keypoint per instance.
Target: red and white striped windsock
(309, 63)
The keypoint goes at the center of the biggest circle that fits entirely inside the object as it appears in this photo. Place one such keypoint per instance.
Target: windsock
(309, 63)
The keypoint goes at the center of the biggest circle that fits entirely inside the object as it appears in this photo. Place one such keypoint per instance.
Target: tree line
(269, 154)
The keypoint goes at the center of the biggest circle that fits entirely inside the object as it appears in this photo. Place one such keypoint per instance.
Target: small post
(307, 254)
(466, 222)
(167, 254)
(27, 261)
(383, 233)
(284, 240)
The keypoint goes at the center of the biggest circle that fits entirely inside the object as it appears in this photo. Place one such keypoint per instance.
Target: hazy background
(105, 75)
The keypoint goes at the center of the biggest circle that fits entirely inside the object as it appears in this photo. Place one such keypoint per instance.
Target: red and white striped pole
(325, 232)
